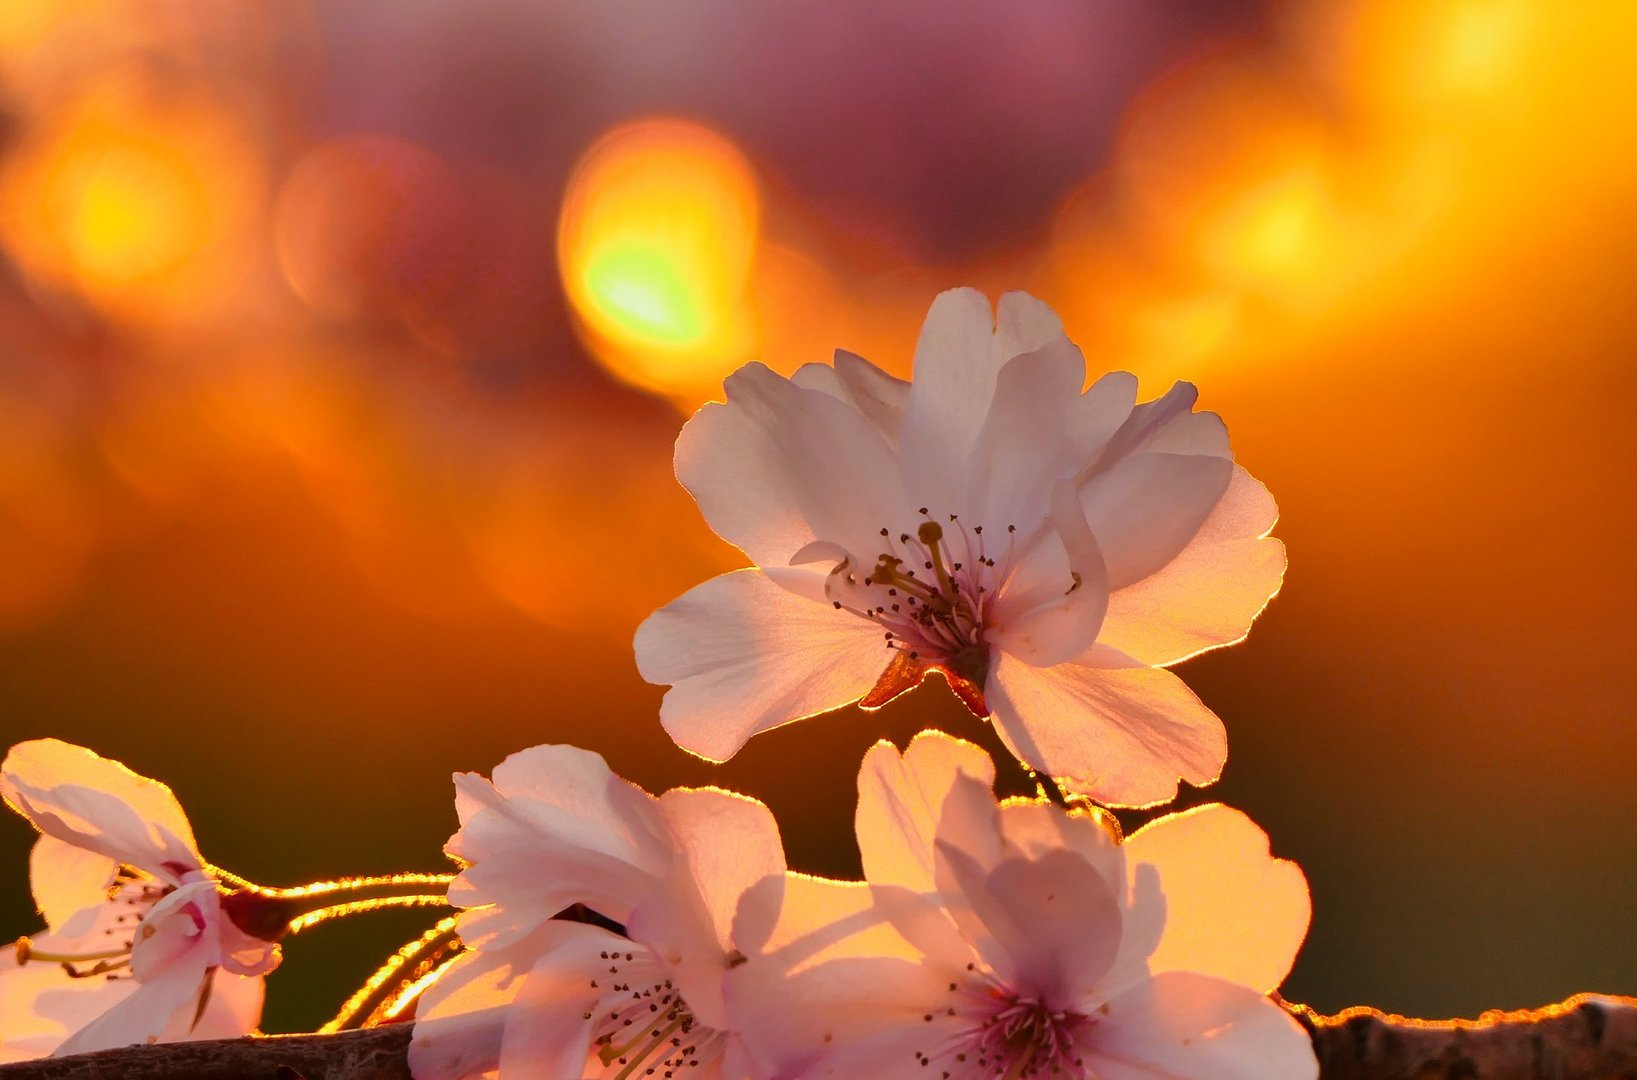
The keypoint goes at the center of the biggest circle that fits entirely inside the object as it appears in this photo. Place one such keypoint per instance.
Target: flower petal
(1211, 592)
(556, 808)
(726, 843)
(1146, 508)
(1052, 609)
(780, 465)
(745, 655)
(234, 1007)
(1230, 908)
(1119, 735)
(957, 360)
(1184, 1026)
(879, 396)
(91, 802)
(547, 1032)
(42, 1005)
(902, 801)
(1048, 927)
(461, 1018)
(70, 884)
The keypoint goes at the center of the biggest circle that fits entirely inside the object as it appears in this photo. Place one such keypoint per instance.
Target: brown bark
(1588, 1037)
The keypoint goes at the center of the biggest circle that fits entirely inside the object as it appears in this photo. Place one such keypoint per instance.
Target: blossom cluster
(1049, 550)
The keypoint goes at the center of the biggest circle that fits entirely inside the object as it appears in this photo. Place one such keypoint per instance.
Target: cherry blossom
(1049, 551)
(537, 996)
(142, 943)
(1021, 940)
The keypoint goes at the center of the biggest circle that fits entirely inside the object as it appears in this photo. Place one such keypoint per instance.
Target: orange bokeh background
(342, 348)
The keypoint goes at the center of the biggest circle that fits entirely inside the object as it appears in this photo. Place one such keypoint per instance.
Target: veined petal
(146, 1013)
(559, 807)
(42, 1005)
(1168, 425)
(1146, 508)
(879, 396)
(957, 361)
(91, 802)
(902, 801)
(1043, 621)
(1211, 592)
(1049, 927)
(780, 465)
(1119, 735)
(461, 1018)
(234, 1007)
(858, 1017)
(547, 1034)
(726, 843)
(1040, 430)
(1185, 1026)
(1230, 908)
(744, 655)
(70, 884)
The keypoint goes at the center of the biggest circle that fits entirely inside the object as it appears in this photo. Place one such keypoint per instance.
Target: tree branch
(1588, 1037)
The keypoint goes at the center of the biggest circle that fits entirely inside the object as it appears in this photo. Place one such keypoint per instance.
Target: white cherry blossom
(139, 946)
(1050, 551)
(539, 997)
(1021, 940)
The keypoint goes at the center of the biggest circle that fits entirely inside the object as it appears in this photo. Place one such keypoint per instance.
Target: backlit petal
(1122, 736)
(97, 804)
(744, 655)
(902, 801)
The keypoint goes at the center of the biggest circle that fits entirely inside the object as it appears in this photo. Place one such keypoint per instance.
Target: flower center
(1011, 1036)
(931, 593)
(644, 1027)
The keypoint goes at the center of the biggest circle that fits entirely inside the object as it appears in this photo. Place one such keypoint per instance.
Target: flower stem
(400, 980)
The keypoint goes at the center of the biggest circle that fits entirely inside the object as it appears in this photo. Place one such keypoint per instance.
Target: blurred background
(342, 348)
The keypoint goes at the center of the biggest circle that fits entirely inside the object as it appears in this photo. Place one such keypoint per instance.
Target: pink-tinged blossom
(1021, 940)
(539, 997)
(139, 947)
(1049, 550)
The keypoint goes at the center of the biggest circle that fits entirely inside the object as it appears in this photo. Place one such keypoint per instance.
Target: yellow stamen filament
(26, 952)
(636, 1062)
(358, 907)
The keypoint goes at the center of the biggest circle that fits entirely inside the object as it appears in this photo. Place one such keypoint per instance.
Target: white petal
(1052, 609)
(879, 396)
(901, 805)
(1230, 908)
(547, 1034)
(780, 465)
(1030, 438)
(1023, 324)
(234, 1007)
(1034, 827)
(1168, 425)
(726, 844)
(97, 804)
(858, 1017)
(1209, 594)
(554, 828)
(1048, 927)
(1146, 508)
(69, 883)
(1120, 735)
(41, 1006)
(1184, 1026)
(461, 1018)
(744, 655)
(149, 1010)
